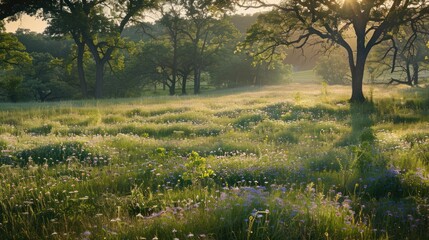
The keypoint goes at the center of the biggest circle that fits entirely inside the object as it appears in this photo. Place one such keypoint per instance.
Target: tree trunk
(174, 70)
(172, 88)
(416, 74)
(80, 51)
(357, 93)
(80, 69)
(99, 77)
(99, 64)
(44, 96)
(358, 68)
(197, 66)
(408, 72)
(184, 79)
(197, 80)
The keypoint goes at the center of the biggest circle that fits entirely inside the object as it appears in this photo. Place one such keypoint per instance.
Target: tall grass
(283, 162)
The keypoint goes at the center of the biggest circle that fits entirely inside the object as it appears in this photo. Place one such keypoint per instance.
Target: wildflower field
(282, 162)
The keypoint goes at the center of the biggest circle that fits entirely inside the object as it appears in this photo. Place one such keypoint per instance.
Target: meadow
(281, 162)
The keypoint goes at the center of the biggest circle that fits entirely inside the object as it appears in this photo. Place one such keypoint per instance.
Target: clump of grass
(318, 112)
(60, 153)
(113, 119)
(154, 112)
(416, 138)
(75, 120)
(249, 120)
(188, 117)
(13, 120)
(3, 144)
(276, 111)
(45, 129)
(229, 113)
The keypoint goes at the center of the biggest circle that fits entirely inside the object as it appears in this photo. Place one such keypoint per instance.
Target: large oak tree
(355, 25)
(98, 24)
(206, 30)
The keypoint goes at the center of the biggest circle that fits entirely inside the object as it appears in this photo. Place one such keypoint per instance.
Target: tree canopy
(96, 24)
(12, 57)
(12, 52)
(355, 25)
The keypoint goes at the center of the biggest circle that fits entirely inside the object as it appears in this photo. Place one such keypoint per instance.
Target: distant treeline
(153, 58)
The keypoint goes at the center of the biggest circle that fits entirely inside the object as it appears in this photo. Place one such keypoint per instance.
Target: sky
(32, 23)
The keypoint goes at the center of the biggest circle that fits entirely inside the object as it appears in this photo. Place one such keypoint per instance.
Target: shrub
(198, 172)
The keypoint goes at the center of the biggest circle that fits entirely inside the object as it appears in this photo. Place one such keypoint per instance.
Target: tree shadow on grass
(361, 121)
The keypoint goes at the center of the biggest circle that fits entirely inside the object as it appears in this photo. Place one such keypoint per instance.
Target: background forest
(154, 58)
(185, 49)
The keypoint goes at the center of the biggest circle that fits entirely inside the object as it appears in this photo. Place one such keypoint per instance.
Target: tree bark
(358, 67)
(172, 88)
(197, 80)
(80, 69)
(408, 72)
(99, 76)
(184, 79)
(100, 60)
(416, 74)
(357, 82)
(174, 67)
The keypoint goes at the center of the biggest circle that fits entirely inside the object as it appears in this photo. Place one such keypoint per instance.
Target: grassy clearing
(293, 160)
(306, 77)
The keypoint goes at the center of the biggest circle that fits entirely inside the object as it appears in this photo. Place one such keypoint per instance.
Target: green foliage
(333, 69)
(99, 30)
(243, 22)
(12, 52)
(44, 80)
(10, 84)
(12, 58)
(236, 70)
(197, 170)
(262, 36)
(41, 43)
(136, 67)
